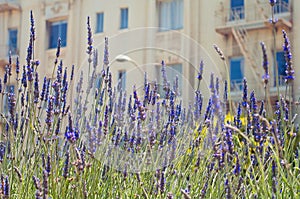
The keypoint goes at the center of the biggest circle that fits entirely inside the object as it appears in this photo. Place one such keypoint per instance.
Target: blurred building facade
(144, 32)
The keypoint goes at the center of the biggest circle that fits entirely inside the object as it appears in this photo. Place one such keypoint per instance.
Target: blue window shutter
(13, 41)
(171, 15)
(58, 29)
(281, 63)
(236, 72)
(63, 34)
(124, 18)
(281, 68)
(236, 3)
(100, 19)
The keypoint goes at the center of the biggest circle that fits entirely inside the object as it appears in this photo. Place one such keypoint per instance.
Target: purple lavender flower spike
(17, 67)
(57, 50)
(106, 54)
(43, 92)
(90, 39)
(36, 88)
(0, 85)
(273, 2)
(72, 73)
(49, 117)
(32, 28)
(66, 165)
(265, 64)
(24, 78)
(6, 188)
(5, 77)
(288, 59)
(245, 93)
(200, 73)
(72, 133)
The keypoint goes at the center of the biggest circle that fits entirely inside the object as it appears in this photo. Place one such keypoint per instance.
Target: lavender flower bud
(17, 66)
(0, 85)
(89, 38)
(49, 110)
(32, 28)
(72, 73)
(219, 51)
(72, 133)
(265, 63)
(45, 184)
(272, 2)
(200, 73)
(66, 165)
(5, 77)
(48, 165)
(6, 188)
(24, 78)
(245, 93)
(57, 50)
(36, 88)
(43, 89)
(47, 91)
(288, 59)
(18, 173)
(106, 55)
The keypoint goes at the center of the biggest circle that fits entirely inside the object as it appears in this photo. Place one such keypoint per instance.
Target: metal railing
(281, 7)
(236, 85)
(237, 13)
(251, 13)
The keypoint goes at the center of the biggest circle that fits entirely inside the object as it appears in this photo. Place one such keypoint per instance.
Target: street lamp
(124, 58)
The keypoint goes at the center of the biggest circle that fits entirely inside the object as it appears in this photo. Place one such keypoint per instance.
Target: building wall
(204, 25)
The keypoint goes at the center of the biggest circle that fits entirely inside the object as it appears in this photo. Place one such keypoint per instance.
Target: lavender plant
(118, 144)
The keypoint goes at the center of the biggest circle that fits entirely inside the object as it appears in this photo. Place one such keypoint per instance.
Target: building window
(171, 15)
(9, 89)
(281, 68)
(13, 41)
(58, 29)
(173, 72)
(100, 20)
(124, 18)
(236, 73)
(122, 79)
(281, 6)
(237, 10)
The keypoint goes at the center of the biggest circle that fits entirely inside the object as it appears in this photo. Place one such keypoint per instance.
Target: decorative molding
(57, 9)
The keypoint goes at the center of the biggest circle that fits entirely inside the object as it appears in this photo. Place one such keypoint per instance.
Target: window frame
(237, 11)
(99, 30)
(52, 44)
(281, 67)
(15, 50)
(236, 83)
(170, 22)
(124, 21)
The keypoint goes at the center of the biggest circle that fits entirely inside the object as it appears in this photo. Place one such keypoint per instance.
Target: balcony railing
(236, 85)
(9, 5)
(281, 7)
(251, 13)
(237, 13)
